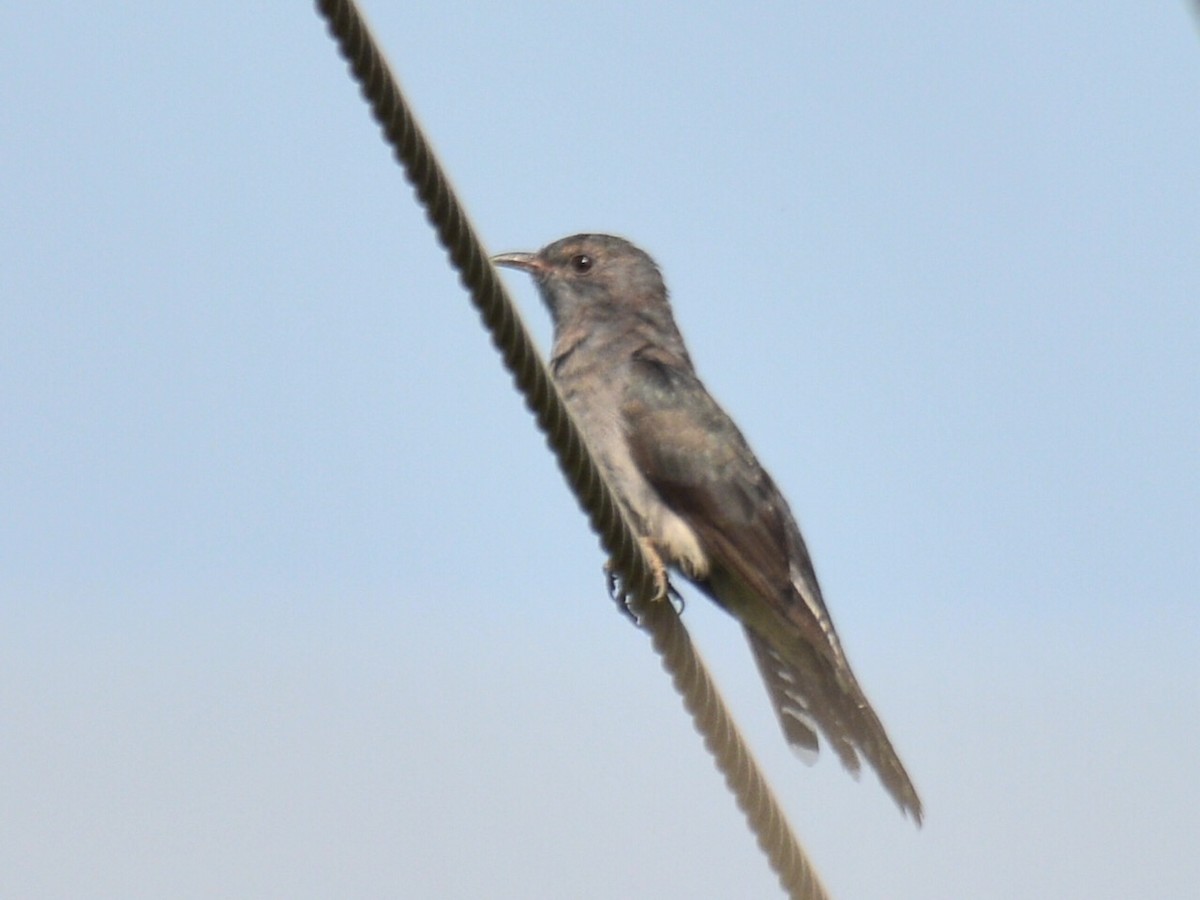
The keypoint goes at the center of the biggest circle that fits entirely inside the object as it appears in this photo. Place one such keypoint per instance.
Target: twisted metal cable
(728, 748)
(670, 638)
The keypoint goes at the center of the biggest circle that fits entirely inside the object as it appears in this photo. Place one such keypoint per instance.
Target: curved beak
(526, 262)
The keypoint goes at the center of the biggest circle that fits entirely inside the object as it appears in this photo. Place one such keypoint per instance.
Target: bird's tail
(811, 692)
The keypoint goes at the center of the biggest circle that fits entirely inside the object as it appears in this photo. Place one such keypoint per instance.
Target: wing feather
(760, 570)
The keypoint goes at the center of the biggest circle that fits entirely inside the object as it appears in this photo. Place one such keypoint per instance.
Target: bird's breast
(592, 394)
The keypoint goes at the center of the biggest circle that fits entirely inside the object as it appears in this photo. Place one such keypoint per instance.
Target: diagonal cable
(670, 638)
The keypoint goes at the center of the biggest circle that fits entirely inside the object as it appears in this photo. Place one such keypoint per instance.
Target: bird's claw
(663, 589)
(617, 592)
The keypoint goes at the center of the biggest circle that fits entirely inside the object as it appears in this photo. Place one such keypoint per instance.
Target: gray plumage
(694, 490)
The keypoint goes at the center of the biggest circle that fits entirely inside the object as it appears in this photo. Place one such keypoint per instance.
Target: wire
(670, 638)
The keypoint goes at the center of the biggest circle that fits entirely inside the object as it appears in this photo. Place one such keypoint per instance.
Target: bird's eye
(581, 263)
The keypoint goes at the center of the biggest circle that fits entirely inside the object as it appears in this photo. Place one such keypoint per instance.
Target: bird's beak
(526, 262)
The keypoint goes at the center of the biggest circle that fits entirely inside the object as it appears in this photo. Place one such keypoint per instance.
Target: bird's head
(592, 277)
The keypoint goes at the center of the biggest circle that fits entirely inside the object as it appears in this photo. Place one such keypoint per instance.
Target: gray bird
(694, 491)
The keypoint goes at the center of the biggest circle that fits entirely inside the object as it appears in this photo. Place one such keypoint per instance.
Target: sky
(293, 599)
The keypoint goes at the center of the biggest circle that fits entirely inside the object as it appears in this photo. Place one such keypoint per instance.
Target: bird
(696, 495)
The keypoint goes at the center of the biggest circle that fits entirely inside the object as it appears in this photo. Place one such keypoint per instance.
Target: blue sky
(293, 601)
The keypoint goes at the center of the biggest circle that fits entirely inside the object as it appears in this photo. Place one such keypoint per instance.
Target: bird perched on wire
(694, 491)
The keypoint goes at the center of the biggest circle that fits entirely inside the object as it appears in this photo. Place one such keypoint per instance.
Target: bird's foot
(663, 590)
(616, 591)
(658, 569)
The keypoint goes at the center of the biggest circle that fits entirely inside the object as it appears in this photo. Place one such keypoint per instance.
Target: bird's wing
(700, 465)
(760, 570)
